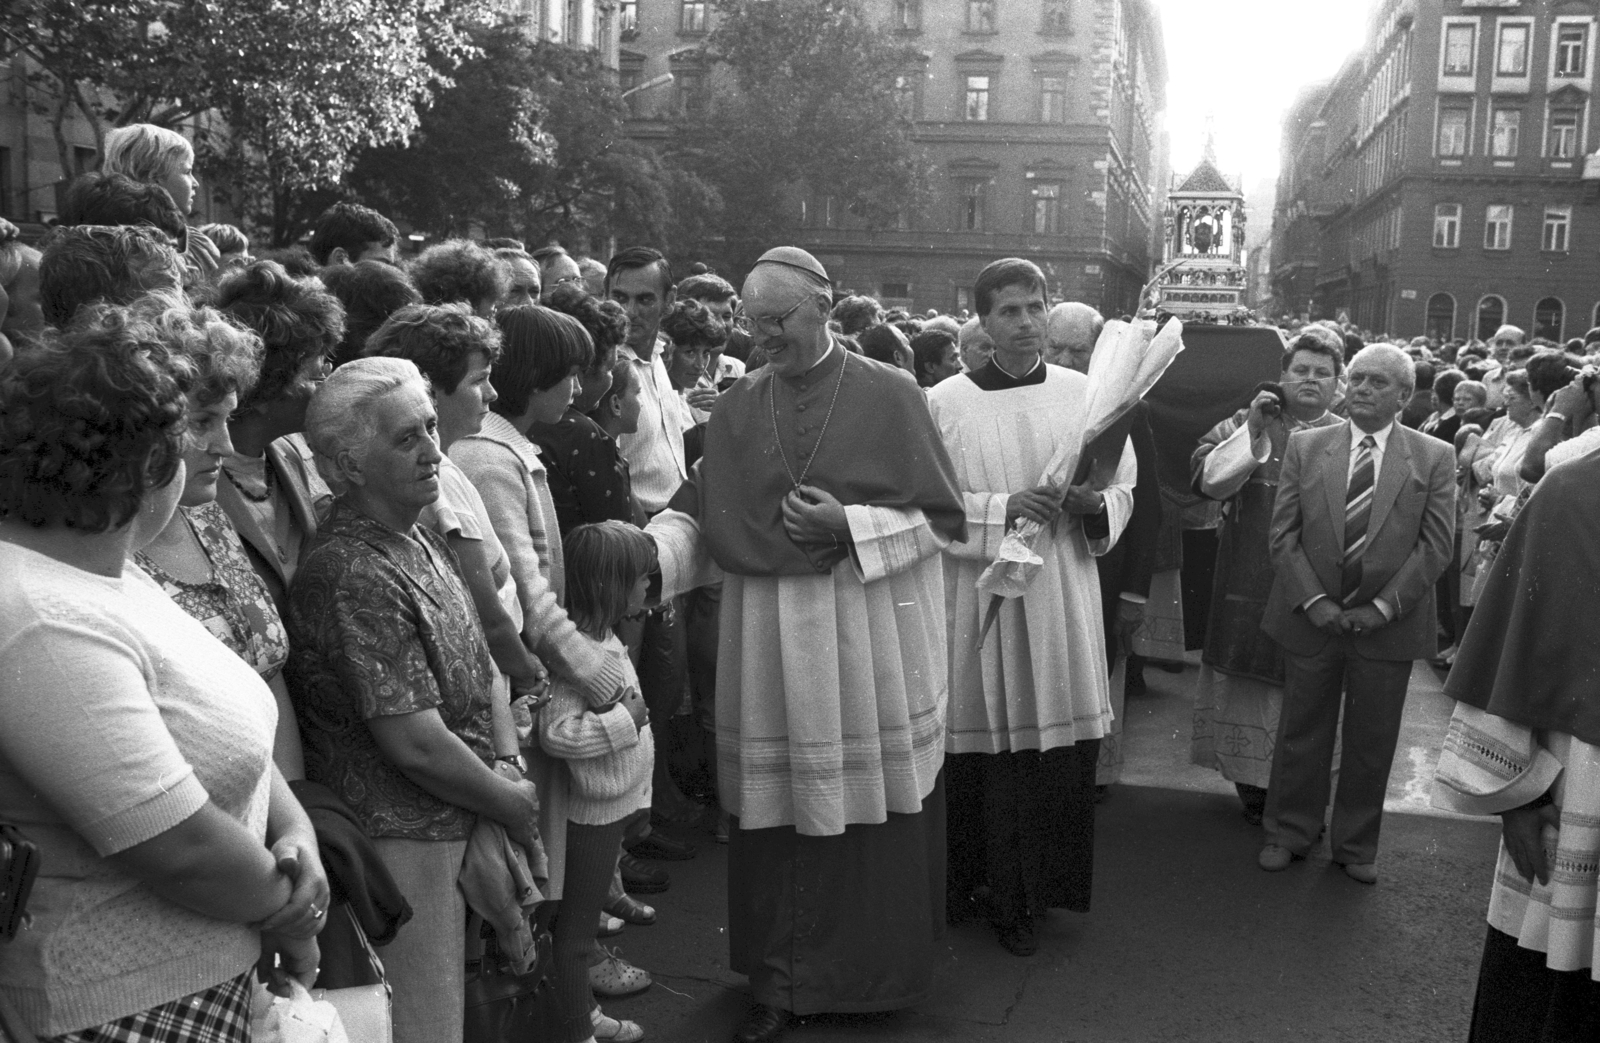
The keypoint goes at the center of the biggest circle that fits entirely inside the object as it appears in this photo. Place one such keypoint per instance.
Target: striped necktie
(1357, 510)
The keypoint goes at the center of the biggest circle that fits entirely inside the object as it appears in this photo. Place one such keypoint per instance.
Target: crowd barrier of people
(352, 601)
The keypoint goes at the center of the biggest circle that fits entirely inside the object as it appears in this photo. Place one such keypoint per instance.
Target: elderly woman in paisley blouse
(392, 676)
(198, 559)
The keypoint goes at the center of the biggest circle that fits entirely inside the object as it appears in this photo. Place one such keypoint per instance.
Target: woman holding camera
(135, 748)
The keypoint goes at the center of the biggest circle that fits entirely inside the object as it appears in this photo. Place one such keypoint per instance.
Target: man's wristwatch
(515, 760)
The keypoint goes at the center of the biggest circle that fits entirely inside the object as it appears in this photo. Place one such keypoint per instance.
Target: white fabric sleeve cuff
(886, 541)
(1490, 765)
(986, 525)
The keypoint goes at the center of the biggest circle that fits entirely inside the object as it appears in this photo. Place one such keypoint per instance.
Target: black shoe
(1017, 937)
(660, 846)
(631, 910)
(763, 1025)
(642, 879)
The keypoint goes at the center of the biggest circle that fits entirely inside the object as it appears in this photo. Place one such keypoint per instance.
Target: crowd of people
(418, 603)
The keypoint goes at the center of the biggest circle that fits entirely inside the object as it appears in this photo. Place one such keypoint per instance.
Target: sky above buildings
(1240, 63)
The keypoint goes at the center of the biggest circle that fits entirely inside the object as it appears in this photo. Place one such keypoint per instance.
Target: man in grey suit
(1361, 530)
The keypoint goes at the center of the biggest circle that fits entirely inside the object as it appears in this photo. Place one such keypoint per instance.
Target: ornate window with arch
(1549, 316)
(1491, 316)
(1441, 320)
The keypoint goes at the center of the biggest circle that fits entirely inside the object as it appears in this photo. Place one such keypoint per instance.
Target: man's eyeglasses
(768, 326)
(563, 282)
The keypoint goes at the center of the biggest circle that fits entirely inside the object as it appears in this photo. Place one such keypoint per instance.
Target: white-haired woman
(158, 156)
(391, 676)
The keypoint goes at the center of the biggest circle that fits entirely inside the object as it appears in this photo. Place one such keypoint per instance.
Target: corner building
(1447, 172)
(1039, 122)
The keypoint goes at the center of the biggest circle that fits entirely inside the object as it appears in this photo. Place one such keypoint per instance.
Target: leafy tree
(296, 88)
(529, 142)
(802, 99)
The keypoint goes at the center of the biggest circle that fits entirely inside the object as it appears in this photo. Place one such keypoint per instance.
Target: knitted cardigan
(506, 469)
(603, 745)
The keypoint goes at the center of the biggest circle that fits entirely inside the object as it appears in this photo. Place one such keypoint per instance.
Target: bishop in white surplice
(824, 498)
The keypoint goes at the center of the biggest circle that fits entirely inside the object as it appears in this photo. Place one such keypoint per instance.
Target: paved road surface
(1188, 940)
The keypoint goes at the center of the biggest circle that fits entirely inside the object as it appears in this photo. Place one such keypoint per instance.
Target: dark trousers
(1520, 1000)
(1373, 694)
(1023, 824)
(661, 662)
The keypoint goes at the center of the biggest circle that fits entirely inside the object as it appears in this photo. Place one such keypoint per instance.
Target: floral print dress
(234, 604)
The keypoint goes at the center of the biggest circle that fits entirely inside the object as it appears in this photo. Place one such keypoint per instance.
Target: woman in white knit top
(135, 748)
(608, 751)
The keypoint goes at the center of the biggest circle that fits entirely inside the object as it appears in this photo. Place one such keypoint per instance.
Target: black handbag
(503, 1006)
(19, 865)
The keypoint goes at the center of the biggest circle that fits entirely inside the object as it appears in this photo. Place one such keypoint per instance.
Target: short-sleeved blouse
(234, 604)
(382, 624)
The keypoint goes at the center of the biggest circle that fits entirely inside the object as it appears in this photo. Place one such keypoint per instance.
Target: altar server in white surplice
(1028, 708)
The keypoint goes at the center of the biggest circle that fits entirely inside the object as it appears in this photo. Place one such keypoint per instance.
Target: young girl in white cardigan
(608, 755)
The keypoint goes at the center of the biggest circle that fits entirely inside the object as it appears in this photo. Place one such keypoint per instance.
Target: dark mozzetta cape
(1532, 651)
(881, 449)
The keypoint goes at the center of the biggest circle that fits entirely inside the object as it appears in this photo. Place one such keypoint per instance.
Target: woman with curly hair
(20, 315)
(461, 271)
(269, 487)
(135, 748)
(198, 558)
(587, 474)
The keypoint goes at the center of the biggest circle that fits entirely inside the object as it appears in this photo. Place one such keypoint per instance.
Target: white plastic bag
(296, 1018)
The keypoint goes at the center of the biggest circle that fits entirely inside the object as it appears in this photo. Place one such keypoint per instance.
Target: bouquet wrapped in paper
(1128, 359)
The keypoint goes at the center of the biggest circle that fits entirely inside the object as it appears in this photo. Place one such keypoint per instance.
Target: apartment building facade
(1039, 120)
(1442, 183)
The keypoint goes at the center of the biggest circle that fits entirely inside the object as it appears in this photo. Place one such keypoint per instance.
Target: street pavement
(1187, 941)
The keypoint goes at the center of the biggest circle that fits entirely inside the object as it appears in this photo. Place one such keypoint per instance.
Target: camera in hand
(1274, 408)
(1574, 372)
